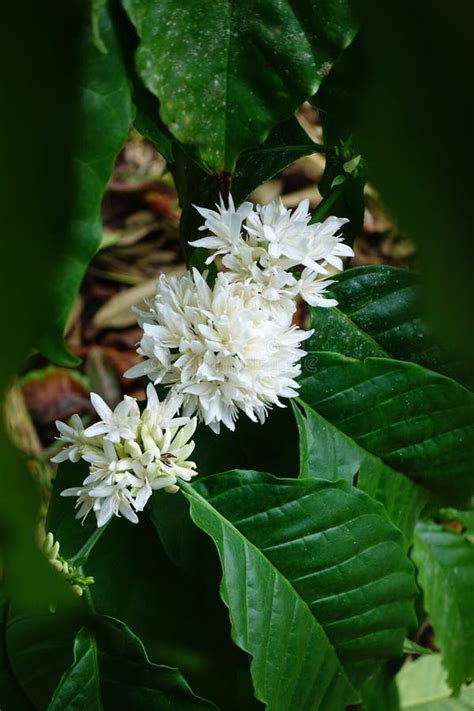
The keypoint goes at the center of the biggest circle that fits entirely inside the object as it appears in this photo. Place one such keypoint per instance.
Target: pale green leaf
(422, 687)
(445, 562)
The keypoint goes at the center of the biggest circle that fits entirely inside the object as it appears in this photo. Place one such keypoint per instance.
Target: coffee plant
(286, 522)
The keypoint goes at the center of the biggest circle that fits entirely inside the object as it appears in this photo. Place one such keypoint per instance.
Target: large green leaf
(103, 122)
(131, 558)
(111, 670)
(379, 315)
(226, 74)
(445, 562)
(328, 453)
(418, 422)
(315, 578)
(421, 165)
(423, 687)
(38, 78)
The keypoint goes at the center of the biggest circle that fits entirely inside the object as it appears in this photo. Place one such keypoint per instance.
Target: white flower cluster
(222, 348)
(219, 348)
(268, 244)
(232, 346)
(130, 454)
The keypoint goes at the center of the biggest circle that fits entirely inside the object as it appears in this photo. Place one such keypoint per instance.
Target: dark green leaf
(380, 691)
(39, 62)
(421, 165)
(226, 74)
(418, 422)
(379, 315)
(422, 687)
(12, 696)
(103, 122)
(180, 619)
(111, 670)
(39, 648)
(445, 562)
(315, 578)
(327, 453)
(80, 684)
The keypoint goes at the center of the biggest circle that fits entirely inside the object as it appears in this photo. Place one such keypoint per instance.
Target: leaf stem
(83, 553)
(327, 202)
(224, 180)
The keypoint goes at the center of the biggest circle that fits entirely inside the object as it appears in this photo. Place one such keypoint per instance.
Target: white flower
(266, 244)
(72, 435)
(124, 472)
(121, 422)
(313, 289)
(225, 224)
(225, 350)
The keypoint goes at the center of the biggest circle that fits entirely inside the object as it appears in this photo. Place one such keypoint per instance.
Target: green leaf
(80, 684)
(380, 691)
(12, 696)
(410, 647)
(328, 453)
(226, 74)
(111, 669)
(39, 649)
(418, 422)
(103, 122)
(379, 315)
(409, 150)
(445, 562)
(131, 558)
(315, 578)
(422, 687)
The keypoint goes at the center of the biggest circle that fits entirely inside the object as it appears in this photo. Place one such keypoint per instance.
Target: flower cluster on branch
(223, 348)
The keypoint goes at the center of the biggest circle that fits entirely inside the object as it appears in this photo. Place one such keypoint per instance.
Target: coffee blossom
(270, 245)
(130, 455)
(220, 349)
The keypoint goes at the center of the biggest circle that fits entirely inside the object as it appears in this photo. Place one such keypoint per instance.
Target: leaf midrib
(191, 491)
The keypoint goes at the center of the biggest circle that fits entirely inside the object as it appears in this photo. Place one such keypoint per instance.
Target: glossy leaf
(418, 422)
(379, 314)
(315, 578)
(445, 562)
(422, 687)
(206, 66)
(103, 122)
(131, 558)
(327, 453)
(111, 669)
